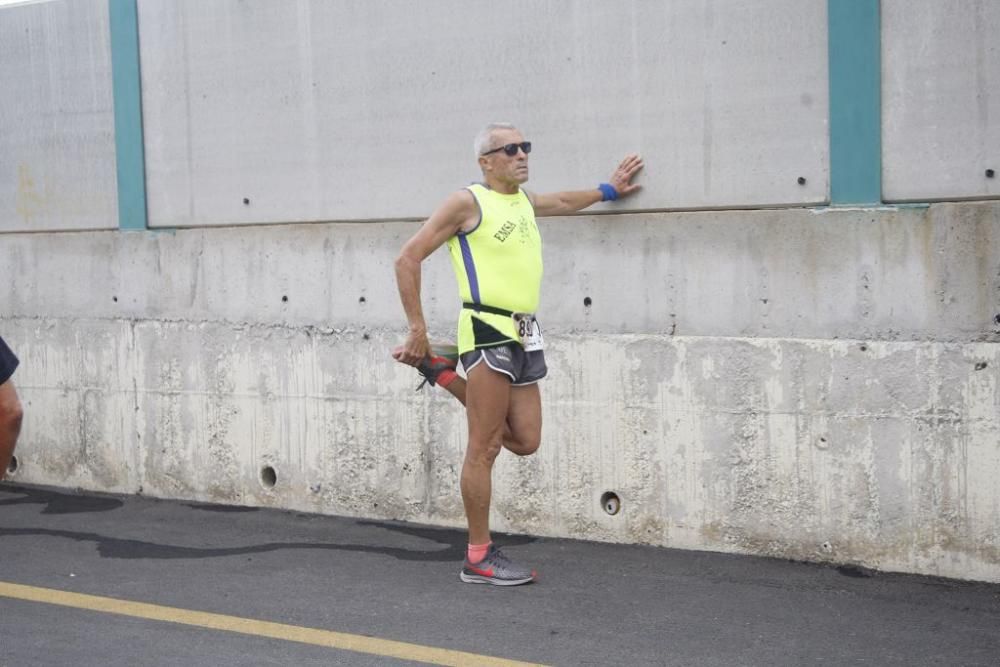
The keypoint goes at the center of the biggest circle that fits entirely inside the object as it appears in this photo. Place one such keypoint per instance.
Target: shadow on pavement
(451, 542)
(60, 503)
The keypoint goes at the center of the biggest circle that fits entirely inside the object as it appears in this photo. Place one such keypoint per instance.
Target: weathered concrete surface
(941, 99)
(57, 144)
(817, 385)
(890, 274)
(318, 111)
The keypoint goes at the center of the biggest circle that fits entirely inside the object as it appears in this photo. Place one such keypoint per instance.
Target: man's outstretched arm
(561, 203)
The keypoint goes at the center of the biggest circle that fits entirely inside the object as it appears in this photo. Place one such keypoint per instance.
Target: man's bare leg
(496, 411)
(486, 406)
(523, 432)
(521, 440)
(11, 414)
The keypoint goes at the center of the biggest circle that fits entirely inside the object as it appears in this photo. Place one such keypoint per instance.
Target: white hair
(485, 135)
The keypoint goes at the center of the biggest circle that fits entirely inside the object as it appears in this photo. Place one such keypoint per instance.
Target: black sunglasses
(511, 149)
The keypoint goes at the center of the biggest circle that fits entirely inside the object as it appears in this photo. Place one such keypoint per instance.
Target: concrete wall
(804, 384)
(315, 111)
(57, 144)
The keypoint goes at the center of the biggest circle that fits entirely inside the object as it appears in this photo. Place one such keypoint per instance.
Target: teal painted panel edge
(855, 52)
(127, 86)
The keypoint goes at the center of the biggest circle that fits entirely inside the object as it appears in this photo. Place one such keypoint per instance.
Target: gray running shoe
(442, 358)
(496, 569)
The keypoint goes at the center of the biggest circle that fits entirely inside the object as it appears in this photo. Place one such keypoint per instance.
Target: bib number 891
(528, 331)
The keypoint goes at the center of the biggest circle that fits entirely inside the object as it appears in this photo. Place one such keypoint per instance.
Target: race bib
(528, 330)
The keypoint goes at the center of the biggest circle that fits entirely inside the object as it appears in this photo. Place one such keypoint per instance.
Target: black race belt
(478, 307)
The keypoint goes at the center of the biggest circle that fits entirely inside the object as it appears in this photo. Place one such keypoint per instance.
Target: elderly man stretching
(496, 251)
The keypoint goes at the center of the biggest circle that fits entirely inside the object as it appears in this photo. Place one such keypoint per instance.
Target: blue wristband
(608, 192)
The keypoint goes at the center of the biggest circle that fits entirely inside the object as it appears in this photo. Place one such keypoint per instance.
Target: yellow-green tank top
(499, 264)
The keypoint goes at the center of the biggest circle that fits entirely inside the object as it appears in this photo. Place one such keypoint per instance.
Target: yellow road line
(249, 626)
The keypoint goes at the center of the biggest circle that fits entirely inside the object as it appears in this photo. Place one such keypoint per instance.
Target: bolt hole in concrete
(611, 503)
(268, 477)
(284, 299)
(246, 201)
(864, 348)
(361, 300)
(587, 301)
(990, 173)
(115, 299)
(802, 180)
(981, 365)
(12, 466)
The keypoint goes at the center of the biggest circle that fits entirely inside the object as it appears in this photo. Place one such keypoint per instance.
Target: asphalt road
(240, 586)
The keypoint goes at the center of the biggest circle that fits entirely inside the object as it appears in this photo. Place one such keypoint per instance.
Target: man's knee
(11, 411)
(523, 446)
(17, 416)
(484, 450)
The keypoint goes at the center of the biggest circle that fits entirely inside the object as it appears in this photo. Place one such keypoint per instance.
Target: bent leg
(523, 439)
(487, 400)
(524, 420)
(11, 414)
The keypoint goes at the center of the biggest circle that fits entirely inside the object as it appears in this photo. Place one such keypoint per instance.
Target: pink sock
(477, 552)
(445, 378)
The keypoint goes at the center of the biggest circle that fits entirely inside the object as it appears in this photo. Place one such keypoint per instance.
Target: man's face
(512, 169)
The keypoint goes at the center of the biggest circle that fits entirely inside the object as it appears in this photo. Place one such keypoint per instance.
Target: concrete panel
(925, 274)
(57, 146)
(940, 99)
(341, 111)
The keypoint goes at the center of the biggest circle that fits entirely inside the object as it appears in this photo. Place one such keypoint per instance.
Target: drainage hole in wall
(268, 477)
(587, 301)
(611, 503)
(12, 466)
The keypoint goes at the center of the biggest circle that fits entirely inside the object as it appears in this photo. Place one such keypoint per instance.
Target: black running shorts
(8, 362)
(521, 367)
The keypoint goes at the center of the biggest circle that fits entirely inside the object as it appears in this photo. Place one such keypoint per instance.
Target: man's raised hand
(621, 179)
